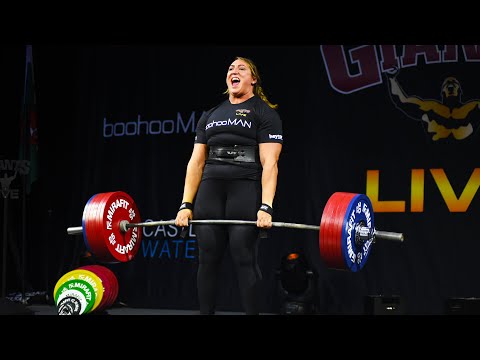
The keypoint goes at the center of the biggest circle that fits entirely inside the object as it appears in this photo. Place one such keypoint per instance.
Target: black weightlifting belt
(235, 153)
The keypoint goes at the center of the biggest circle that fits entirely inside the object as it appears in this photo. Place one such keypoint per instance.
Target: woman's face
(239, 79)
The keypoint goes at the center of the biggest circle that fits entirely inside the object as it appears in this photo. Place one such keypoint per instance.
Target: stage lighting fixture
(296, 284)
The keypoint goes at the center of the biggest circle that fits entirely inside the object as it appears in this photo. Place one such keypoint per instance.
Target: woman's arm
(269, 155)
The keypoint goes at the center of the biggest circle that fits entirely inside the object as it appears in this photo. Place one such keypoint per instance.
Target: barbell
(111, 222)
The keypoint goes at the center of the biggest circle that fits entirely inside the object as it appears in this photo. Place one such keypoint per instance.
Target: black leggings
(231, 200)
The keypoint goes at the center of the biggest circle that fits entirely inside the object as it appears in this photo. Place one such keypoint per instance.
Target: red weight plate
(336, 229)
(104, 272)
(330, 230)
(104, 254)
(324, 242)
(96, 269)
(340, 217)
(87, 221)
(331, 226)
(114, 283)
(94, 233)
(112, 279)
(107, 284)
(107, 287)
(122, 246)
(92, 230)
(327, 231)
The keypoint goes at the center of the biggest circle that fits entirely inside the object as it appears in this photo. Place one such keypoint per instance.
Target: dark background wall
(340, 125)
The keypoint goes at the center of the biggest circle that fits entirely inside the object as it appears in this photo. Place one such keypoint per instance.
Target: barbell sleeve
(388, 235)
(74, 230)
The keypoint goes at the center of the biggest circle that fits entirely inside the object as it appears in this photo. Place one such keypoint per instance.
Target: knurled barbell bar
(111, 221)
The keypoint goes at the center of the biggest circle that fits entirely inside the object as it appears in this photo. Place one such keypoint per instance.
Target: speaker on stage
(463, 306)
(384, 305)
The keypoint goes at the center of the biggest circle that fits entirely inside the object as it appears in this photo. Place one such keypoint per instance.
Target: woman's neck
(240, 99)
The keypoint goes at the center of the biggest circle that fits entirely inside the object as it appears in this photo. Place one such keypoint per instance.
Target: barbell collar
(364, 234)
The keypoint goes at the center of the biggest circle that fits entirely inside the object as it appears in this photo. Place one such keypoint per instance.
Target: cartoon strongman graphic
(449, 118)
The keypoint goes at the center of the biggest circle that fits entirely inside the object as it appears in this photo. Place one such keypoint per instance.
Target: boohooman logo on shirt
(235, 122)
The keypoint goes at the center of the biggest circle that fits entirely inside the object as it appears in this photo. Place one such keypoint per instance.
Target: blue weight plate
(359, 210)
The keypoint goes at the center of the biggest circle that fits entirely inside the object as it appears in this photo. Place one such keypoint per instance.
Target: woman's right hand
(183, 217)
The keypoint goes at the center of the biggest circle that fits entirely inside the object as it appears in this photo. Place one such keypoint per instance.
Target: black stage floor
(52, 310)
(9, 306)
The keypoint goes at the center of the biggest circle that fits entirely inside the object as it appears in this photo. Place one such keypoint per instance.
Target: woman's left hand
(264, 219)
